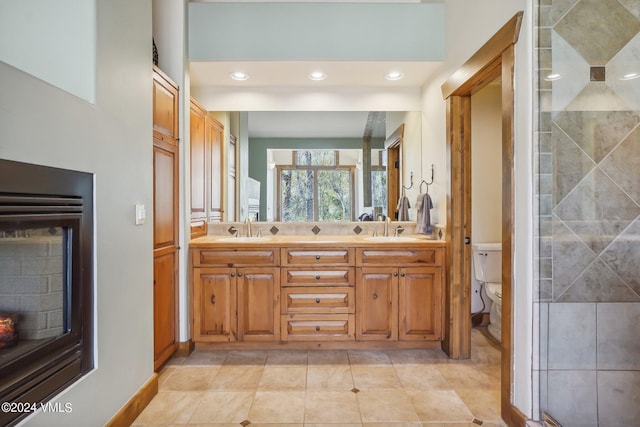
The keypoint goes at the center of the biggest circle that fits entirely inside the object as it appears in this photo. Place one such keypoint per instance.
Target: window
(315, 188)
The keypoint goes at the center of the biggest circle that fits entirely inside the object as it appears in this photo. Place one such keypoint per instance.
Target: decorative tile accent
(274, 230)
(316, 229)
(597, 210)
(597, 74)
(624, 163)
(623, 254)
(357, 229)
(571, 165)
(619, 66)
(598, 284)
(596, 132)
(355, 390)
(570, 257)
(598, 29)
(232, 229)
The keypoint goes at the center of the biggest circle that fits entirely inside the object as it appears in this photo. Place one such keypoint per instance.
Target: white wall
(60, 51)
(111, 139)
(480, 20)
(486, 161)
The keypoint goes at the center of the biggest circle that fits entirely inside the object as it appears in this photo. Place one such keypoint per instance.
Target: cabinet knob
(239, 274)
(401, 274)
(213, 299)
(233, 274)
(317, 328)
(375, 296)
(318, 277)
(395, 274)
(317, 300)
(317, 256)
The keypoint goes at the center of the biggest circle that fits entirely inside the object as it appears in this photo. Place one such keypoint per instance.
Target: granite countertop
(313, 241)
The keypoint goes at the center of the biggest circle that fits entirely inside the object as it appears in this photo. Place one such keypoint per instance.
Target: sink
(243, 239)
(391, 239)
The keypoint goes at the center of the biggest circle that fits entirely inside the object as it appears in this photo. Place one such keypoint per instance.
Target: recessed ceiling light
(239, 75)
(394, 75)
(553, 77)
(317, 75)
(630, 76)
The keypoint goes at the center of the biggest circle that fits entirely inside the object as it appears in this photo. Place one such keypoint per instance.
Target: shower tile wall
(588, 190)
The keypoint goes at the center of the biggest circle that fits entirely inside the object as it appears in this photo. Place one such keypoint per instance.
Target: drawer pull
(395, 274)
(317, 256)
(317, 300)
(375, 296)
(317, 277)
(233, 274)
(401, 274)
(213, 299)
(317, 328)
(239, 274)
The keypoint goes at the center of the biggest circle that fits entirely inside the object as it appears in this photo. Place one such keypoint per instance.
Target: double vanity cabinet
(338, 291)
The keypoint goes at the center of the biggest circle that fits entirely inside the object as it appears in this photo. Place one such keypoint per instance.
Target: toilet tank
(487, 262)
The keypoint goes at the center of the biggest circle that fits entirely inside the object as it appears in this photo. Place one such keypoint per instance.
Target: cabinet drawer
(317, 300)
(396, 257)
(317, 256)
(327, 327)
(236, 258)
(314, 277)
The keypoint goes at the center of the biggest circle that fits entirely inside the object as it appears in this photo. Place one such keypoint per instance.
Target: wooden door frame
(495, 59)
(393, 146)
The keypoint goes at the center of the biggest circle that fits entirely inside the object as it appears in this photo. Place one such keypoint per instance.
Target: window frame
(314, 168)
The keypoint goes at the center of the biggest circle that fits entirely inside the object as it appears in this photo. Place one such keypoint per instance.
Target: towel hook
(410, 185)
(428, 183)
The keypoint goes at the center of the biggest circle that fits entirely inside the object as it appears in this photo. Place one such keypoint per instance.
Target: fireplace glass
(46, 286)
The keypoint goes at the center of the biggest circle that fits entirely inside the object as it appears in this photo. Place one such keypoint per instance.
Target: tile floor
(329, 388)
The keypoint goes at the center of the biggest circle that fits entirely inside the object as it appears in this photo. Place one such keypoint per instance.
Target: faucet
(387, 221)
(247, 222)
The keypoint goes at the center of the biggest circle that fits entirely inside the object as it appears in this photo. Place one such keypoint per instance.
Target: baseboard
(185, 348)
(134, 406)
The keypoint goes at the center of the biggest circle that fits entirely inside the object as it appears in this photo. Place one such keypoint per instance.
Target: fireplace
(46, 283)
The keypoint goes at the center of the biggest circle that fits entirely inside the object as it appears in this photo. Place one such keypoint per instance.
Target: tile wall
(588, 132)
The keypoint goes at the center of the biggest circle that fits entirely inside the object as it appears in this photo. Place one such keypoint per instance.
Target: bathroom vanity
(317, 292)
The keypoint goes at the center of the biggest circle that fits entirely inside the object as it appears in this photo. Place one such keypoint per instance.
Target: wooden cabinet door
(164, 306)
(215, 131)
(165, 106)
(198, 162)
(377, 304)
(420, 304)
(214, 302)
(258, 304)
(165, 248)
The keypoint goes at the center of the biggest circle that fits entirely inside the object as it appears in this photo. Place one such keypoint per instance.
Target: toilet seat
(494, 291)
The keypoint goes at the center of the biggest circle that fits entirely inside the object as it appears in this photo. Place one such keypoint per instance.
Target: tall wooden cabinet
(165, 216)
(207, 145)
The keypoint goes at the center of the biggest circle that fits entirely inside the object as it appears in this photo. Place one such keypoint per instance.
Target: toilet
(487, 262)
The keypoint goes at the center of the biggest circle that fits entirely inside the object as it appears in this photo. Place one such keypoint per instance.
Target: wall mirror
(316, 166)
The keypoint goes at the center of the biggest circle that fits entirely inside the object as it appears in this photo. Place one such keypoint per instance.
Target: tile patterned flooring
(329, 388)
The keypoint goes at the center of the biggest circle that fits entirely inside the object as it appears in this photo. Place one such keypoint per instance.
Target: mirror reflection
(323, 166)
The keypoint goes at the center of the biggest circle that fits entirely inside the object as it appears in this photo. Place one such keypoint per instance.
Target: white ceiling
(308, 124)
(295, 75)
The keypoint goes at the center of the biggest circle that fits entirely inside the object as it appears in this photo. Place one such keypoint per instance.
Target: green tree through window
(314, 188)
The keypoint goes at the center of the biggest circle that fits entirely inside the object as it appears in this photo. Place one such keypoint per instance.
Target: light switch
(141, 214)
